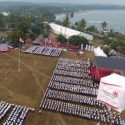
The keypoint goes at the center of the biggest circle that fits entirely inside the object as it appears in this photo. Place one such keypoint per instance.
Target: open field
(27, 86)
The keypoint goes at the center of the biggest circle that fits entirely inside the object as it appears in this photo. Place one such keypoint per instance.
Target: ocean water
(114, 18)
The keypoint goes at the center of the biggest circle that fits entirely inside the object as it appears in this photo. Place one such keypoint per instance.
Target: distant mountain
(70, 7)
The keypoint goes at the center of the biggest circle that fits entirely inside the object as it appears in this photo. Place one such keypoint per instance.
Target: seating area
(31, 49)
(45, 51)
(52, 52)
(17, 115)
(72, 91)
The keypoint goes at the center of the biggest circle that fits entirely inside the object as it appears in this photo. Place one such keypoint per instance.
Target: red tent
(57, 44)
(29, 41)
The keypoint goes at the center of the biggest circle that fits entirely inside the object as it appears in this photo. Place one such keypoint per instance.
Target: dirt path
(31, 69)
(37, 81)
(28, 66)
(63, 122)
(5, 73)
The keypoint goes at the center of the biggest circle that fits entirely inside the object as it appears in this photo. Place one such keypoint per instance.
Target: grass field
(26, 87)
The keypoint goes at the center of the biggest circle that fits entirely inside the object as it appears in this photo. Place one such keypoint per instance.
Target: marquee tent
(57, 29)
(112, 92)
(99, 52)
(110, 63)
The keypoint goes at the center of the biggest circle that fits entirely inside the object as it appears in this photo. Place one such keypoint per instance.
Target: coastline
(75, 13)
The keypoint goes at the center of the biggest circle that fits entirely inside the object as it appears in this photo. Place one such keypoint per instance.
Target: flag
(21, 39)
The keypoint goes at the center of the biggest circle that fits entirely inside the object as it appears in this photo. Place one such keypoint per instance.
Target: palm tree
(71, 15)
(66, 22)
(104, 25)
(45, 20)
(81, 25)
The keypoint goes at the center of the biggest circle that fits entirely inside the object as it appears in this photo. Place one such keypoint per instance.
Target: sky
(117, 2)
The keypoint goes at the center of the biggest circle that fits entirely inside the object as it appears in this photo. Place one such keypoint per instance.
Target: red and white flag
(21, 39)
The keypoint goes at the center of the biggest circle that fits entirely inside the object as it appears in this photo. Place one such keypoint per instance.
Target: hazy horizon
(120, 2)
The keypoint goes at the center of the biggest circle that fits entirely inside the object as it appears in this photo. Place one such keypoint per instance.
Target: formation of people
(17, 115)
(92, 91)
(71, 91)
(97, 114)
(47, 51)
(4, 108)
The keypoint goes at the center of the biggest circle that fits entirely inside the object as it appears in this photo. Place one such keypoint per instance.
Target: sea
(115, 19)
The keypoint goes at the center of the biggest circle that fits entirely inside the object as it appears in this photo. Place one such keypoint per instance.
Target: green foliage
(45, 35)
(2, 19)
(32, 36)
(24, 26)
(118, 46)
(61, 39)
(14, 36)
(111, 33)
(120, 37)
(36, 29)
(104, 25)
(73, 27)
(113, 46)
(81, 24)
(106, 50)
(78, 40)
(58, 22)
(66, 21)
(106, 41)
(76, 23)
(91, 28)
(72, 15)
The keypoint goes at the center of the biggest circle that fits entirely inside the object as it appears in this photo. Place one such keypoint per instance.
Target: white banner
(81, 46)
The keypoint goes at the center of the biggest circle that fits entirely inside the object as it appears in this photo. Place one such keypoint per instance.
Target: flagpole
(19, 58)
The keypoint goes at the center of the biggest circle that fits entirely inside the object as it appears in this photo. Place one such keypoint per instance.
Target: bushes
(61, 38)
(32, 36)
(106, 50)
(106, 41)
(78, 40)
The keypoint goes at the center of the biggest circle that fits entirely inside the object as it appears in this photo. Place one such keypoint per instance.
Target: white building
(57, 29)
(5, 13)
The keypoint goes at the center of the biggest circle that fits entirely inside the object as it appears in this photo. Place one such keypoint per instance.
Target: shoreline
(75, 13)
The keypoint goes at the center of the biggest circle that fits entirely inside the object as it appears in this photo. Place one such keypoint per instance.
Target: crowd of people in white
(17, 115)
(4, 108)
(47, 51)
(76, 96)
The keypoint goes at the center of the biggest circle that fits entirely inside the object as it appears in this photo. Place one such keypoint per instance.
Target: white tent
(57, 29)
(112, 92)
(99, 52)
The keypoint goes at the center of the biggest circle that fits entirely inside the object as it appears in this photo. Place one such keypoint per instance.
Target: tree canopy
(61, 38)
(104, 25)
(78, 40)
(81, 24)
